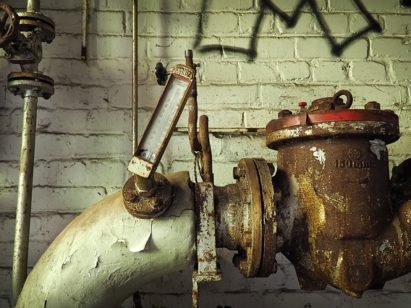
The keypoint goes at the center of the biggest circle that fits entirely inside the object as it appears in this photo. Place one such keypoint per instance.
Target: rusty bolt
(284, 113)
(372, 106)
(238, 172)
(302, 105)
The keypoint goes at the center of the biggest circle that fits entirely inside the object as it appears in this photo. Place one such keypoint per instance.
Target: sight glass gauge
(163, 121)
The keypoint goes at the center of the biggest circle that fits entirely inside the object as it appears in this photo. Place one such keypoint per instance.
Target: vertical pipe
(21, 237)
(33, 5)
(135, 77)
(84, 22)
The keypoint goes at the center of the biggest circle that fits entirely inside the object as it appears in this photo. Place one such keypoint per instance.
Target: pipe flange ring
(248, 259)
(36, 22)
(256, 257)
(268, 262)
(19, 83)
(148, 206)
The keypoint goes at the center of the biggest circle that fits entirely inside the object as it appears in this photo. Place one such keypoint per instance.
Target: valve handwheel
(9, 22)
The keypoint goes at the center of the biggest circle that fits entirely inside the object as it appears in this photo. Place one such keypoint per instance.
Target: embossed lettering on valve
(353, 161)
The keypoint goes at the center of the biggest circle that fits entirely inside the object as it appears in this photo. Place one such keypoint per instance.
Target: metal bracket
(207, 266)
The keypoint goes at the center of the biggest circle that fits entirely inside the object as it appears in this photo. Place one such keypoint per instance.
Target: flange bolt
(372, 106)
(238, 173)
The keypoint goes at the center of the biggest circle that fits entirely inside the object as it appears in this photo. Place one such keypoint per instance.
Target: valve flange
(19, 83)
(257, 247)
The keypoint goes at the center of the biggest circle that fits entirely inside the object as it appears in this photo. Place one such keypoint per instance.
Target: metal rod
(206, 156)
(33, 5)
(135, 76)
(193, 107)
(23, 211)
(84, 22)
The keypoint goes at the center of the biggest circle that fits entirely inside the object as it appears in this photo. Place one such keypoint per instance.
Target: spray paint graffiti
(337, 48)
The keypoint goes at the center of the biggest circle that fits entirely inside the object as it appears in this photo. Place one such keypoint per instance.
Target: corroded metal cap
(330, 116)
(149, 201)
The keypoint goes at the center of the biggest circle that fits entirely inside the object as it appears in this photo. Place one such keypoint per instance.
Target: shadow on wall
(406, 3)
(290, 20)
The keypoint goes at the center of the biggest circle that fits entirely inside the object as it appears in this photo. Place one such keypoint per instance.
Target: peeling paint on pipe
(105, 254)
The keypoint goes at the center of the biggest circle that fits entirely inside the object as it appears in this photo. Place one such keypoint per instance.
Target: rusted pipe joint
(246, 218)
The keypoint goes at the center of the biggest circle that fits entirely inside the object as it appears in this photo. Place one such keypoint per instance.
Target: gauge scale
(162, 122)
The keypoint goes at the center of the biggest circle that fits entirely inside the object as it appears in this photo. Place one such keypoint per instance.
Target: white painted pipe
(105, 254)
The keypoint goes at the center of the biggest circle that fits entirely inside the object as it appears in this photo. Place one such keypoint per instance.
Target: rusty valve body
(336, 214)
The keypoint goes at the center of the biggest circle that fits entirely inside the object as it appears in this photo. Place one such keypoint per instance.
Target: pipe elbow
(105, 254)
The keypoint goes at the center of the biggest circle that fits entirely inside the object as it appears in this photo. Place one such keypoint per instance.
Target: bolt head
(372, 106)
(235, 173)
(238, 172)
(302, 105)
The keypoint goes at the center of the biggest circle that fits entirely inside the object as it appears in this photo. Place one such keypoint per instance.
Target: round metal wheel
(9, 23)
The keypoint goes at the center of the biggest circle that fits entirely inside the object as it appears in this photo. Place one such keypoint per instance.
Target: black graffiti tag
(290, 20)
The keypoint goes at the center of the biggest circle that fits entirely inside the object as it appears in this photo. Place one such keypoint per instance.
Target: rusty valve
(342, 222)
(21, 37)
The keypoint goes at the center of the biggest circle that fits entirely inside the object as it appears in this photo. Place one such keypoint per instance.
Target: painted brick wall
(84, 141)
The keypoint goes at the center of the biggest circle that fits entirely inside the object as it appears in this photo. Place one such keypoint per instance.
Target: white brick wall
(84, 141)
